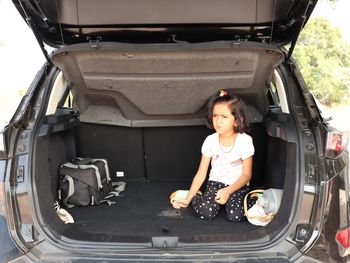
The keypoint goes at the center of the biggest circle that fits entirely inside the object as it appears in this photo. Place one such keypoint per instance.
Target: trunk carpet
(144, 211)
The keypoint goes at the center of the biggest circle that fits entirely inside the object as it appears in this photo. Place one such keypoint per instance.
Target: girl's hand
(177, 204)
(222, 196)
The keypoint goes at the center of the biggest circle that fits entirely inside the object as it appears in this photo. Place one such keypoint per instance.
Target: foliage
(332, 3)
(324, 58)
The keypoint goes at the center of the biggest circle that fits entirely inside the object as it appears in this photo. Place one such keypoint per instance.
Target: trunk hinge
(298, 30)
(31, 24)
(38, 38)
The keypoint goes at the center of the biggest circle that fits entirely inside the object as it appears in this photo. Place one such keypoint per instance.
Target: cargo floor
(144, 212)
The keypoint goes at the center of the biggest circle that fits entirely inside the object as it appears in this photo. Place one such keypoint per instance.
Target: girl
(230, 151)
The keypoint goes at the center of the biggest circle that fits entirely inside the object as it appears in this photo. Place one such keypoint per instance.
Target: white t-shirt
(227, 162)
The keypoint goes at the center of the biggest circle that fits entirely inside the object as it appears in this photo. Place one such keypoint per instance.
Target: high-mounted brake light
(337, 141)
(342, 238)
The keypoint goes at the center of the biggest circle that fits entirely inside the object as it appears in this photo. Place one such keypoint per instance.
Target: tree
(332, 3)
(324, 58)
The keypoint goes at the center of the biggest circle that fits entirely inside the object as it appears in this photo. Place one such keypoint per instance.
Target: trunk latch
(94, 43)
(164, 242)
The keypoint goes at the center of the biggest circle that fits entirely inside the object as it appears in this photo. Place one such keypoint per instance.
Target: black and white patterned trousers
(207, 208)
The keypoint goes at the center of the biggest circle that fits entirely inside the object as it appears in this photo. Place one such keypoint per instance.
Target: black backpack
(85, 181)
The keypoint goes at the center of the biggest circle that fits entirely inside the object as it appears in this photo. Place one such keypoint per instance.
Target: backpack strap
(70, 181)
(106, 168)
(79, 161)
(120, 187)
(109, 202)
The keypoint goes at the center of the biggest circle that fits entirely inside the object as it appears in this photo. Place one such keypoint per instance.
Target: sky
(21, 50)
(21, 57)
(338, 16)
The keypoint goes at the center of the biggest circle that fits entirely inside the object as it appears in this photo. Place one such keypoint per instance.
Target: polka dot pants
(207, 208)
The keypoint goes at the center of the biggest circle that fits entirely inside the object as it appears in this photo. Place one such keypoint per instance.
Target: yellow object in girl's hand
(180, 195)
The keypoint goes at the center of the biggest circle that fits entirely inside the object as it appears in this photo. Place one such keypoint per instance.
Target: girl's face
(223, 121)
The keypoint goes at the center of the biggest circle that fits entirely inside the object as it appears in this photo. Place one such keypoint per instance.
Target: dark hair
(236, 105)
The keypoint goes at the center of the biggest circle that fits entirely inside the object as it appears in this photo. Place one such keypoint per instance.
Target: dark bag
(85, 182)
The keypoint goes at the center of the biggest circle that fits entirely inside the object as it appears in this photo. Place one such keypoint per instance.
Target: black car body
(128, 81)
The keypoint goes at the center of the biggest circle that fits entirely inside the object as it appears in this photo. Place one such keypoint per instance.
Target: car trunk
(142, 109)
(155, 162)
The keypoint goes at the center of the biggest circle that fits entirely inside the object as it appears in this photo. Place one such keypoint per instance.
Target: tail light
(337, 141)
(342, 238)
